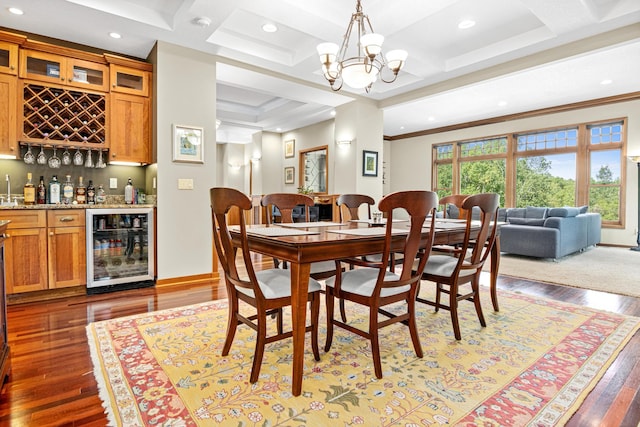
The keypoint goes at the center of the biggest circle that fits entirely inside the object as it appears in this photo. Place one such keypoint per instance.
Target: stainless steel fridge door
(120, 246)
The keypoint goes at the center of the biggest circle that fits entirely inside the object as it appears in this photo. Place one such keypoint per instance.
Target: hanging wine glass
(54, 161)
(42, 158)
(66, 157)
(100, 164)
(88, 163)
(29, 158)
(77, 158)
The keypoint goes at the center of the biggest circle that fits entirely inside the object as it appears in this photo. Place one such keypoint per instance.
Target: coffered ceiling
(520, 55)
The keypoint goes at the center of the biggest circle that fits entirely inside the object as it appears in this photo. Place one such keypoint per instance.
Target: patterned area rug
(532, 365)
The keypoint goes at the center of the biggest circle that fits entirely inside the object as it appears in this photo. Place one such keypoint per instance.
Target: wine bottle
(101, 197)
(128, 192)
(81, 192)
(67, 191)
(91, 193)
(42, 192)
(29, 191)
(54, 190)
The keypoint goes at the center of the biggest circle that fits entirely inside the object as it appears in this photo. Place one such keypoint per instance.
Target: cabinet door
(129, 80)
(26, 260)
(8, 58)
(129, 136)
(8, 116)
(42, 66)
(67, 257)
(87, 75)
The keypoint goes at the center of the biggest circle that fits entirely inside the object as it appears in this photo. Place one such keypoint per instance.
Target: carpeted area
(532, 365)
(601, 268)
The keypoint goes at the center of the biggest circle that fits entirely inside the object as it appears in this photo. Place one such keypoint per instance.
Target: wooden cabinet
(67, 249)
(58, 69)
(26, 250)
(8, 116)
(129, 80)
(8, 58)
(5, 354)
(46, 249)
(130, 130)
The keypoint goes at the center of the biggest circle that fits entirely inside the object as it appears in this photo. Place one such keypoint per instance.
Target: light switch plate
(185, 184)
(113, 182)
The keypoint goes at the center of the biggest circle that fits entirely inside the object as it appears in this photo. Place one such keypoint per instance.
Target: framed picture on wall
(369, 163)
(289, 175)
(289, 148)
(188, 144)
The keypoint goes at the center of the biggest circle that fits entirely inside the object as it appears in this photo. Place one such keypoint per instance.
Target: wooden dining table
(304, 243)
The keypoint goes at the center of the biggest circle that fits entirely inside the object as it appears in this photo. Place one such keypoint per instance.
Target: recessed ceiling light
(431, 118)
(606, 82)
(15, 11)
(401, 127)
(278, 129)
(502, 103)
(115, 35)
(466, 24)
(269, 28)
(333, 113)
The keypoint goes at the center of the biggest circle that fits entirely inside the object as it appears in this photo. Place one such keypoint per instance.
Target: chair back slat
(488, 204)
(418, 205)
(286, 203)
(352, 203)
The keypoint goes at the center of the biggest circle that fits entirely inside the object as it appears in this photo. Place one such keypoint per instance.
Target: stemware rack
(61, 117)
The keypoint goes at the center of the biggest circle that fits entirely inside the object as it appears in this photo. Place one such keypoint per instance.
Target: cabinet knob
(6, 235)
(51, 233)
(12, 67)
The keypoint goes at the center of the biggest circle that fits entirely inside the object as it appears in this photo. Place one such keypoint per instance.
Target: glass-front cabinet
(8, 58)
(120, 248)
(48, 67)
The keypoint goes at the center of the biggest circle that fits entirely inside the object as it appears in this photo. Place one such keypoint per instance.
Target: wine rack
(63, 117)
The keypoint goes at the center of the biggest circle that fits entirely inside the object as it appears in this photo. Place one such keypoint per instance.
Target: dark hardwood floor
(52, 382)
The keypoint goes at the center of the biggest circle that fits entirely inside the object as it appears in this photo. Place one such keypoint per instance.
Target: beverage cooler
(120, 252)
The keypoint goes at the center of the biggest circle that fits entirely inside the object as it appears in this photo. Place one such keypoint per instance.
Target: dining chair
(267, 291)
(373, 286)
(455, 200)
(287, 203)
(350, 204)
(463, 264)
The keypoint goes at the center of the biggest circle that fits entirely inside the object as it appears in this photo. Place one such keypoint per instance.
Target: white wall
(411, 158)
(185, 94)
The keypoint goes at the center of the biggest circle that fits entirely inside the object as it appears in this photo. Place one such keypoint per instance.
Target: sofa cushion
(539, 222)
(535, 212)
(516, 213)
(502, 214)
(452, 211)
(563, 212)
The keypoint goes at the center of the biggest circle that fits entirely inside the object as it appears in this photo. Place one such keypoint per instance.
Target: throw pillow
(536, 212)
(563, 212)
(583, 209)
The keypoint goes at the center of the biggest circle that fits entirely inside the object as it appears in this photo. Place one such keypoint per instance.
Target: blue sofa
(548, 232)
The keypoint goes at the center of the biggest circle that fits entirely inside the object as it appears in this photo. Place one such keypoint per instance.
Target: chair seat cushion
(276, 283)
(443, 265)
(362, 281)
(323, 266)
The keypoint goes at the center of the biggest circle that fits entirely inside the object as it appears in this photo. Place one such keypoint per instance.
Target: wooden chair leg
(375, 343)
(343, 313)
(413, 328)
(330, 301)
(315, 314)
(261, 340)
(438, 295)
(232, 325)
(476, 301)
(279, 321)
(453, 308)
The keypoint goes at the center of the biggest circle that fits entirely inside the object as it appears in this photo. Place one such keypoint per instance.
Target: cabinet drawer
(66, 218)
(25, 218)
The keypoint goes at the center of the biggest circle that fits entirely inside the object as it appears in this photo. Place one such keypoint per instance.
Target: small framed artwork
(188, 144)
(289, 148)
(369, 163)
(289, 174)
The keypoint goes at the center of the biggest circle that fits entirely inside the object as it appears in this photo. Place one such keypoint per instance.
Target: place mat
(374, 231)
(447, 225)
(382, 221)
(278, 231)
(311, 224)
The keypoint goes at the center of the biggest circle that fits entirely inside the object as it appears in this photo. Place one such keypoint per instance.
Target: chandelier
(360, 66)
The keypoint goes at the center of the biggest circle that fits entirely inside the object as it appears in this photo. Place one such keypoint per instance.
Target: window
(567, 166)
